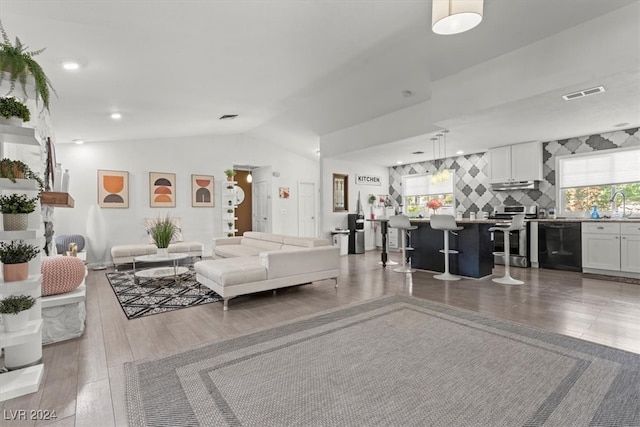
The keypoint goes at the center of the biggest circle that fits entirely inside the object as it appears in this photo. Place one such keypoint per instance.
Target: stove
(508, 212)
(518, 241)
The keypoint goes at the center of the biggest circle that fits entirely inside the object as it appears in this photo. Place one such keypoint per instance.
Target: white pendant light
(249, 177)
(455, 16)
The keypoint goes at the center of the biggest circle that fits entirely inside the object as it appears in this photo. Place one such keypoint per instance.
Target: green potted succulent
(16, 209)
(230, 174)
(18, 64)
(16, 169)
(162, 230)
(14, 311)
(15, 257)
(14, 111)
(372, 199)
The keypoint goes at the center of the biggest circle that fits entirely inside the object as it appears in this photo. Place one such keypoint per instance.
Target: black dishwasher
(560, 245)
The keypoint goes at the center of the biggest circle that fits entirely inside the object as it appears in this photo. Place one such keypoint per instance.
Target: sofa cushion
(232, 271)
(264, 245)
(230, 251)
(61, 274)
(307, 242)
(269, 237)
(62, 242)
(300, 262)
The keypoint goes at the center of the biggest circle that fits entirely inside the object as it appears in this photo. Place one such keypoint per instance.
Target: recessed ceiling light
(116, 116)
(620, 125)
(459, 152)
(399, 162)
(228, 117)
(78, 141)
(70, 65)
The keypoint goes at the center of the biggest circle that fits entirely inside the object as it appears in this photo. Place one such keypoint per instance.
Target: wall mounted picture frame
(113, 189)
(284, 192)
(202, 193)
(162, 190)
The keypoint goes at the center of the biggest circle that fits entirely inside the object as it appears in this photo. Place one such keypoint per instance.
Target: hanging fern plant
(17, 64)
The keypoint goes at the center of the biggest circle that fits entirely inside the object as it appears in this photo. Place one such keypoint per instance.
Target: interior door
(307, 209)
(262, 218)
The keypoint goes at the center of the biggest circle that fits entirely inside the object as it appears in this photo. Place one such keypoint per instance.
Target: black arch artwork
(203, 195)
(162, 181)
(113, 198)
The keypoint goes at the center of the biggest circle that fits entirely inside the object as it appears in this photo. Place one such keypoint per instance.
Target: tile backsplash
(474, 192)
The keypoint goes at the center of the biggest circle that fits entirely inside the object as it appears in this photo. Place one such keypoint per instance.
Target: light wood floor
(84, 378)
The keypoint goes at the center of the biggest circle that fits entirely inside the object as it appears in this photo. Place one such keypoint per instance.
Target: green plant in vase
(11, 107)
(18, 64)
(162, 230)
(230, 174)
(17, 203)
(15, 257)
(14, 304)
(16, 169)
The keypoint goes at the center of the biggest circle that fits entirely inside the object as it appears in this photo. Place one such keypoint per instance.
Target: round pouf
(61, 274)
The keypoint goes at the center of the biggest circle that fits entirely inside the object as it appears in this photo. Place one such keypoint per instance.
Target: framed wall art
(284, 192)
(113, 189)
(162, 190)
(202, 191)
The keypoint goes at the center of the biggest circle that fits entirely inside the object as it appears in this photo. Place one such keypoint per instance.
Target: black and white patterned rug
(158, 295)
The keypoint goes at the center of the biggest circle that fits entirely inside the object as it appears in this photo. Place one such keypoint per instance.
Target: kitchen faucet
(624, 202)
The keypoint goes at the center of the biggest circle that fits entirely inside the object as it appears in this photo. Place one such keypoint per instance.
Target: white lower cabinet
(630, 247)
(613, 247)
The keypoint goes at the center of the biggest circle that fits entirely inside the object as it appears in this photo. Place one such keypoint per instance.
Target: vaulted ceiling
(308, 73)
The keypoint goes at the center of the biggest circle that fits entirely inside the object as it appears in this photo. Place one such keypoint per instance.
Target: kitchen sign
(368, 180)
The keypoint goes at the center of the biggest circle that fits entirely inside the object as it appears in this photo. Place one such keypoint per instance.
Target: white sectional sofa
(263, 261)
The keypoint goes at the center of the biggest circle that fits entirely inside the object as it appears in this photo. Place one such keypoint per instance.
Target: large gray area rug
(393, 361)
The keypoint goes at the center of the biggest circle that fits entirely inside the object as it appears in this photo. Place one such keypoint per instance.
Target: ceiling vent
(418, 152)
(228, 117)
(582, 93)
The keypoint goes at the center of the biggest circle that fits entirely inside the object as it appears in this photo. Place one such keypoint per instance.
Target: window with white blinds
(599, 168)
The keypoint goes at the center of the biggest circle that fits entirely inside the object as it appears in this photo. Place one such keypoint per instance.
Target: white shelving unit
(229, 208)
(23, 349)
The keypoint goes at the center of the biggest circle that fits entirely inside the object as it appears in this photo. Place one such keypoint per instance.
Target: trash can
(341, 239)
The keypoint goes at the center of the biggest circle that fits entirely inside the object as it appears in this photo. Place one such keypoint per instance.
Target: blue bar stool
(517, 224)
(447, 223)
(403, 224)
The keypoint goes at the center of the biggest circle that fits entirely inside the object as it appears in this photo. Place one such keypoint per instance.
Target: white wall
(330, 219)
(205, 155)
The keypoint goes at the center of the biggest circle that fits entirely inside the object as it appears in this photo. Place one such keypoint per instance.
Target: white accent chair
(517, 224)
(448, 224)
(403, 224)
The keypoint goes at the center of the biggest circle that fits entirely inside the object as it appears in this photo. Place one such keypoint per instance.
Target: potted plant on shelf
(13, 112)
(15, 210)
(16, 169)
(14, 311)
(372, 199)
(162, 231)
(15, 257)
(18, 64)
(230, 174)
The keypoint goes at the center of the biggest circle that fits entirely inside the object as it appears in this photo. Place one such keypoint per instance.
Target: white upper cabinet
(520, 162)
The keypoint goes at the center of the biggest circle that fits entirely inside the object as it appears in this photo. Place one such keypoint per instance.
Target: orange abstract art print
(113, 189)
(162, 190)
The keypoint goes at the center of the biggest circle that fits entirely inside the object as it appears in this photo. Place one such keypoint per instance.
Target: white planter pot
(15, 322)
(13, 222)
(12, 121)
(163, 252)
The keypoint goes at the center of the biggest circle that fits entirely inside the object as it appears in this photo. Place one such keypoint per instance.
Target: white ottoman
(192, 249)
(124, 254)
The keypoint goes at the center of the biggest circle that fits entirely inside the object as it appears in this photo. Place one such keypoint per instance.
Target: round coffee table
(159, 272)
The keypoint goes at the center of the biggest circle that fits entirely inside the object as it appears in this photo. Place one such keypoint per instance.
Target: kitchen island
(474, 244)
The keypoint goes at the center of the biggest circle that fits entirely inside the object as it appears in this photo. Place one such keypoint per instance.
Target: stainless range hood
(515, 185)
